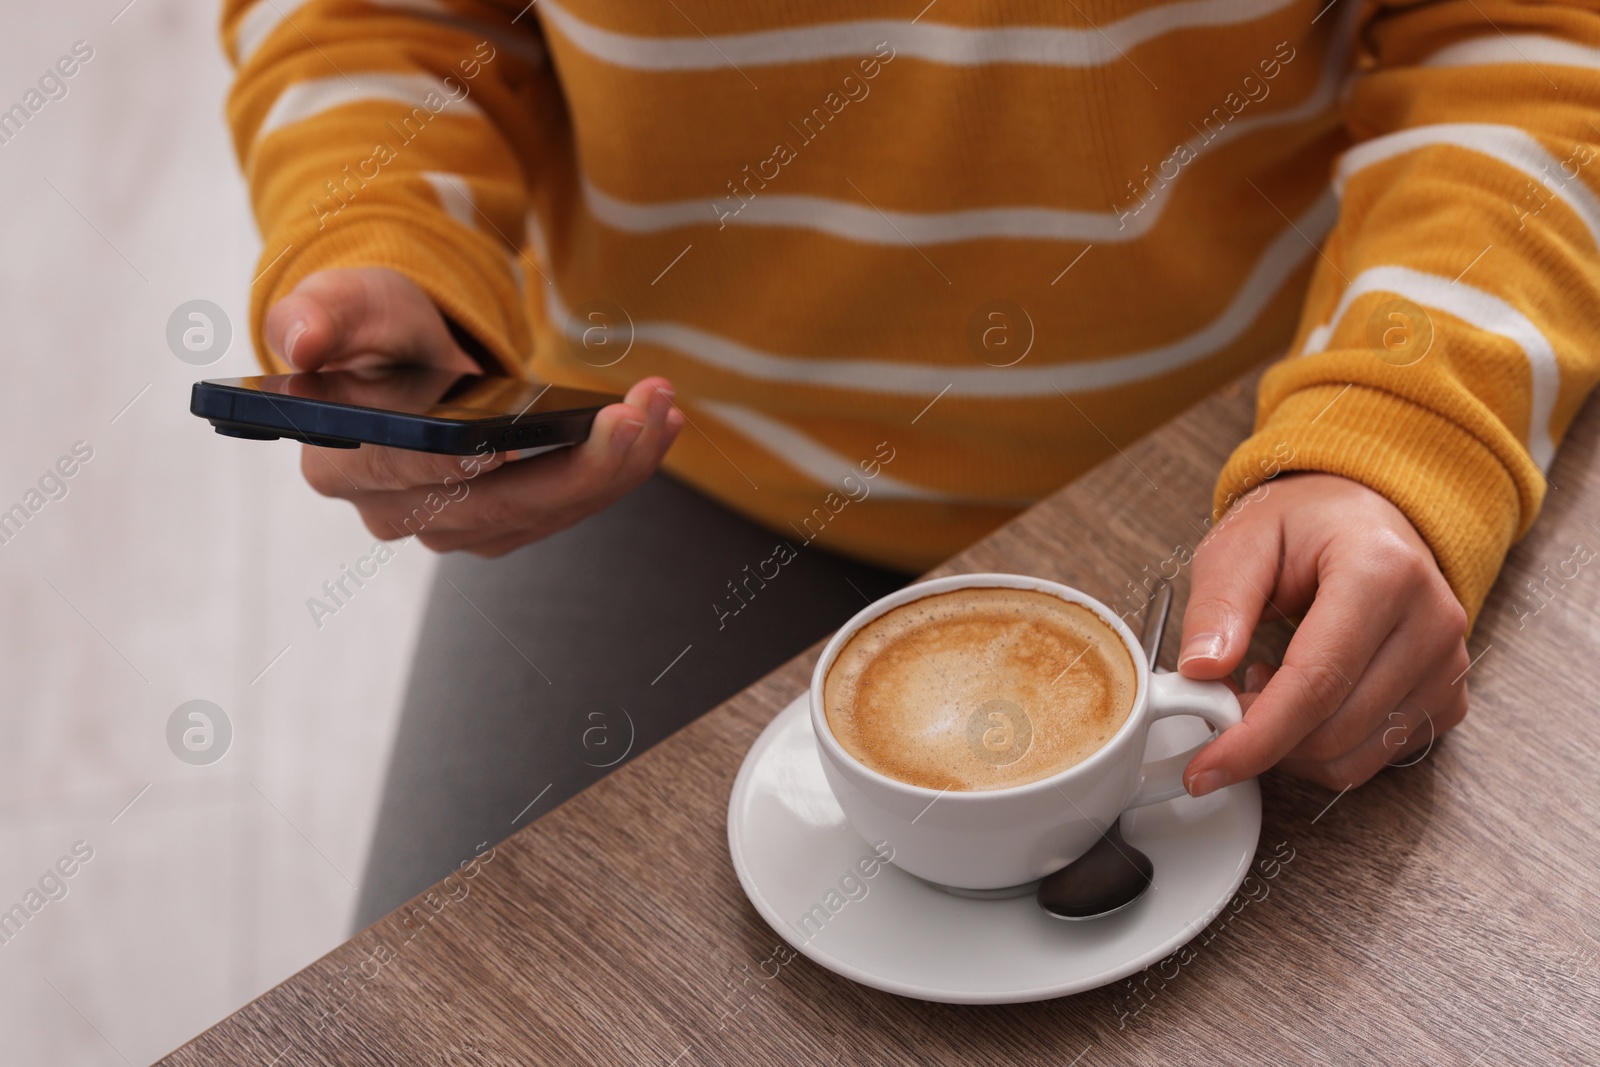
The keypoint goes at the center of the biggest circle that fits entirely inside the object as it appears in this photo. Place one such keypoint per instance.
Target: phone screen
(426, 391)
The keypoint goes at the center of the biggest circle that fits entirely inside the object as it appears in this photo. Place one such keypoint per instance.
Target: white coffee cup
(998, 838)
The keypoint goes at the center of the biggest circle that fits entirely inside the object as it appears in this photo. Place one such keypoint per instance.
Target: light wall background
(176, 567)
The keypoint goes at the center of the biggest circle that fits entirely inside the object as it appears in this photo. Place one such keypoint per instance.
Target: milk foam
(979, 688)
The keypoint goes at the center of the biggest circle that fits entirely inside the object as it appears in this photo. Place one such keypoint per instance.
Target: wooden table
(1445, 913)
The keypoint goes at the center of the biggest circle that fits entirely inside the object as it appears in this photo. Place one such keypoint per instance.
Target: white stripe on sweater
(262, 20)
(455, 196)
(854, 220)
(1516, 48)
(1478, 309)
(1505, 144)
(923, 39)
(1281, 257)
(819, 463)
(307, 99)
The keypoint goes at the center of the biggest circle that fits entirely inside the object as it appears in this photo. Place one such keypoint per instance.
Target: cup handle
(1173, 694)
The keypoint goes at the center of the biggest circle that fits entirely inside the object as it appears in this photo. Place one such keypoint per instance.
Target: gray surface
(536, 671)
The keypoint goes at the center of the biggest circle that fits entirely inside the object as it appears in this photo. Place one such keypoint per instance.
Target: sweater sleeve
(1449, 335)
(401, 135)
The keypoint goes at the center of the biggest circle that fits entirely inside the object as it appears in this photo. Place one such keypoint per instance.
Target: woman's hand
(370, 317)
(1376, 670)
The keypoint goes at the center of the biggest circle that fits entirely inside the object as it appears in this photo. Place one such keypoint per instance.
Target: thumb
(360, 315)
(1234, 572)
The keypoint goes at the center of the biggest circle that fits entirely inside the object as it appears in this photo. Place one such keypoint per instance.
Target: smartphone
(417, 408)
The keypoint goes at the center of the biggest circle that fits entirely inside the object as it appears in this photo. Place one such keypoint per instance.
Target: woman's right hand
(368, 317)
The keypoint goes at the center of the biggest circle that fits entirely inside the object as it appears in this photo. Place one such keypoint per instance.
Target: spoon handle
(1155, 623)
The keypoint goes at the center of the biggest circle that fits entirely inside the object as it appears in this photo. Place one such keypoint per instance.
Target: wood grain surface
(1445, 913)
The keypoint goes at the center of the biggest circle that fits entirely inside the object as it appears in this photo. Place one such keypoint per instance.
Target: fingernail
(296, 330)
(1207, 782)
(624, 435)
(1201, 646)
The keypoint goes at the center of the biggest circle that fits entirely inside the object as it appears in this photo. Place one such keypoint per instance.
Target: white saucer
(793, 848)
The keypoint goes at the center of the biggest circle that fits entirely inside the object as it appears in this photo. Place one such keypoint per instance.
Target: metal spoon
(1112, 874)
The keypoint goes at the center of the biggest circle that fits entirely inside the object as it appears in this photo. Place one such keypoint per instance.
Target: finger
(370, 469)
(509, 510)
(1404, 739)
(354, 316)
(1420, 738)
(402, 493)
(625, 444)
(533, 498)
(1409, 664)
(1343, 630)
(1235, 571)
(1257, 675)
(475, 542)
(357, 473)
(1433, 709)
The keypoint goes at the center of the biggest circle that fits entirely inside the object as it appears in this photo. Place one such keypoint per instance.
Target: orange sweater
(913, 269)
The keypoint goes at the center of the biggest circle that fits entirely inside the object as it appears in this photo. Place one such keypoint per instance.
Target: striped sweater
(914, 267)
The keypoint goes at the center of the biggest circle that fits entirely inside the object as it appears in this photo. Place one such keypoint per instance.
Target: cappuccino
(979, 688)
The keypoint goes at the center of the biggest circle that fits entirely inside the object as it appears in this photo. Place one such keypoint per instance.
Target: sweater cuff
(1453, 489)
(471, 284)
